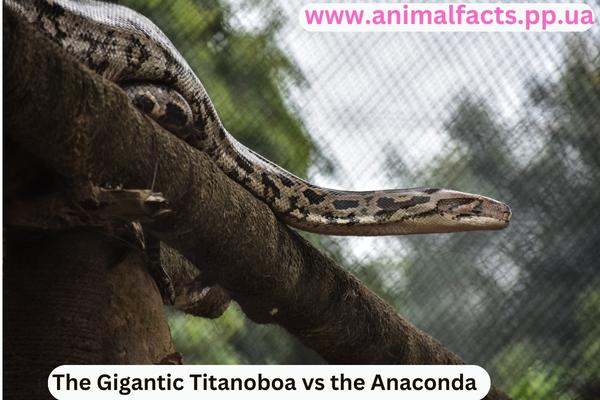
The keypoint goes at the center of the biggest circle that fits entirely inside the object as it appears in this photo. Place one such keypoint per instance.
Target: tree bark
(79, 124)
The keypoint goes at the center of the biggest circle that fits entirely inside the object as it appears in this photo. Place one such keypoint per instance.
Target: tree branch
(79, 124)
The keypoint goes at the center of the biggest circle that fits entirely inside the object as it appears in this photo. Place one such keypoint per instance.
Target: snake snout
(494, 209)
(494, 214)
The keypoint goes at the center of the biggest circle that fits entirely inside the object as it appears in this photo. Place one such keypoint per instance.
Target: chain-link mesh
(515, 116)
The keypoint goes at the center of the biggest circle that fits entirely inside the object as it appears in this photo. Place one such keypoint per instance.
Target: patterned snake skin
(128, 49)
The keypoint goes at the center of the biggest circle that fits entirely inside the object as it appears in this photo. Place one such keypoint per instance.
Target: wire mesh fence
(515, 116)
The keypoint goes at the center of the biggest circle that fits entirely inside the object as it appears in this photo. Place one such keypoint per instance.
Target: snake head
(466, 211)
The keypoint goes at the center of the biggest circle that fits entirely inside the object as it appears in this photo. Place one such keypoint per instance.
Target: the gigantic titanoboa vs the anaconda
(128, 49)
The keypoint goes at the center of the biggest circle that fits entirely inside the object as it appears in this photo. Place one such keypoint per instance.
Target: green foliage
(538, 382)
(195, 337)
(524, 377)
(588, 315)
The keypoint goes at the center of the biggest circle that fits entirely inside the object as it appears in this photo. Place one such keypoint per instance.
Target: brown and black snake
(128, 49)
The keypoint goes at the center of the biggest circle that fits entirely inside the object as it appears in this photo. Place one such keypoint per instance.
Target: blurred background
(514, 116)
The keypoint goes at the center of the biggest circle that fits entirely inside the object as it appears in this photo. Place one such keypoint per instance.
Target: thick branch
(80, 124)
(193, 296)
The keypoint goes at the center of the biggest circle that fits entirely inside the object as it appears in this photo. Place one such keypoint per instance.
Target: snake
(129, 50)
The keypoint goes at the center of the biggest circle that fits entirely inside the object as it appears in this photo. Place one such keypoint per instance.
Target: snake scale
(128, 49)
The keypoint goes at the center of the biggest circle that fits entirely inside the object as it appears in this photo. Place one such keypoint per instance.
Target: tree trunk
(76, 298)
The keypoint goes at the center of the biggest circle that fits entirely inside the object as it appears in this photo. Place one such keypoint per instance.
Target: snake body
(128, 49)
